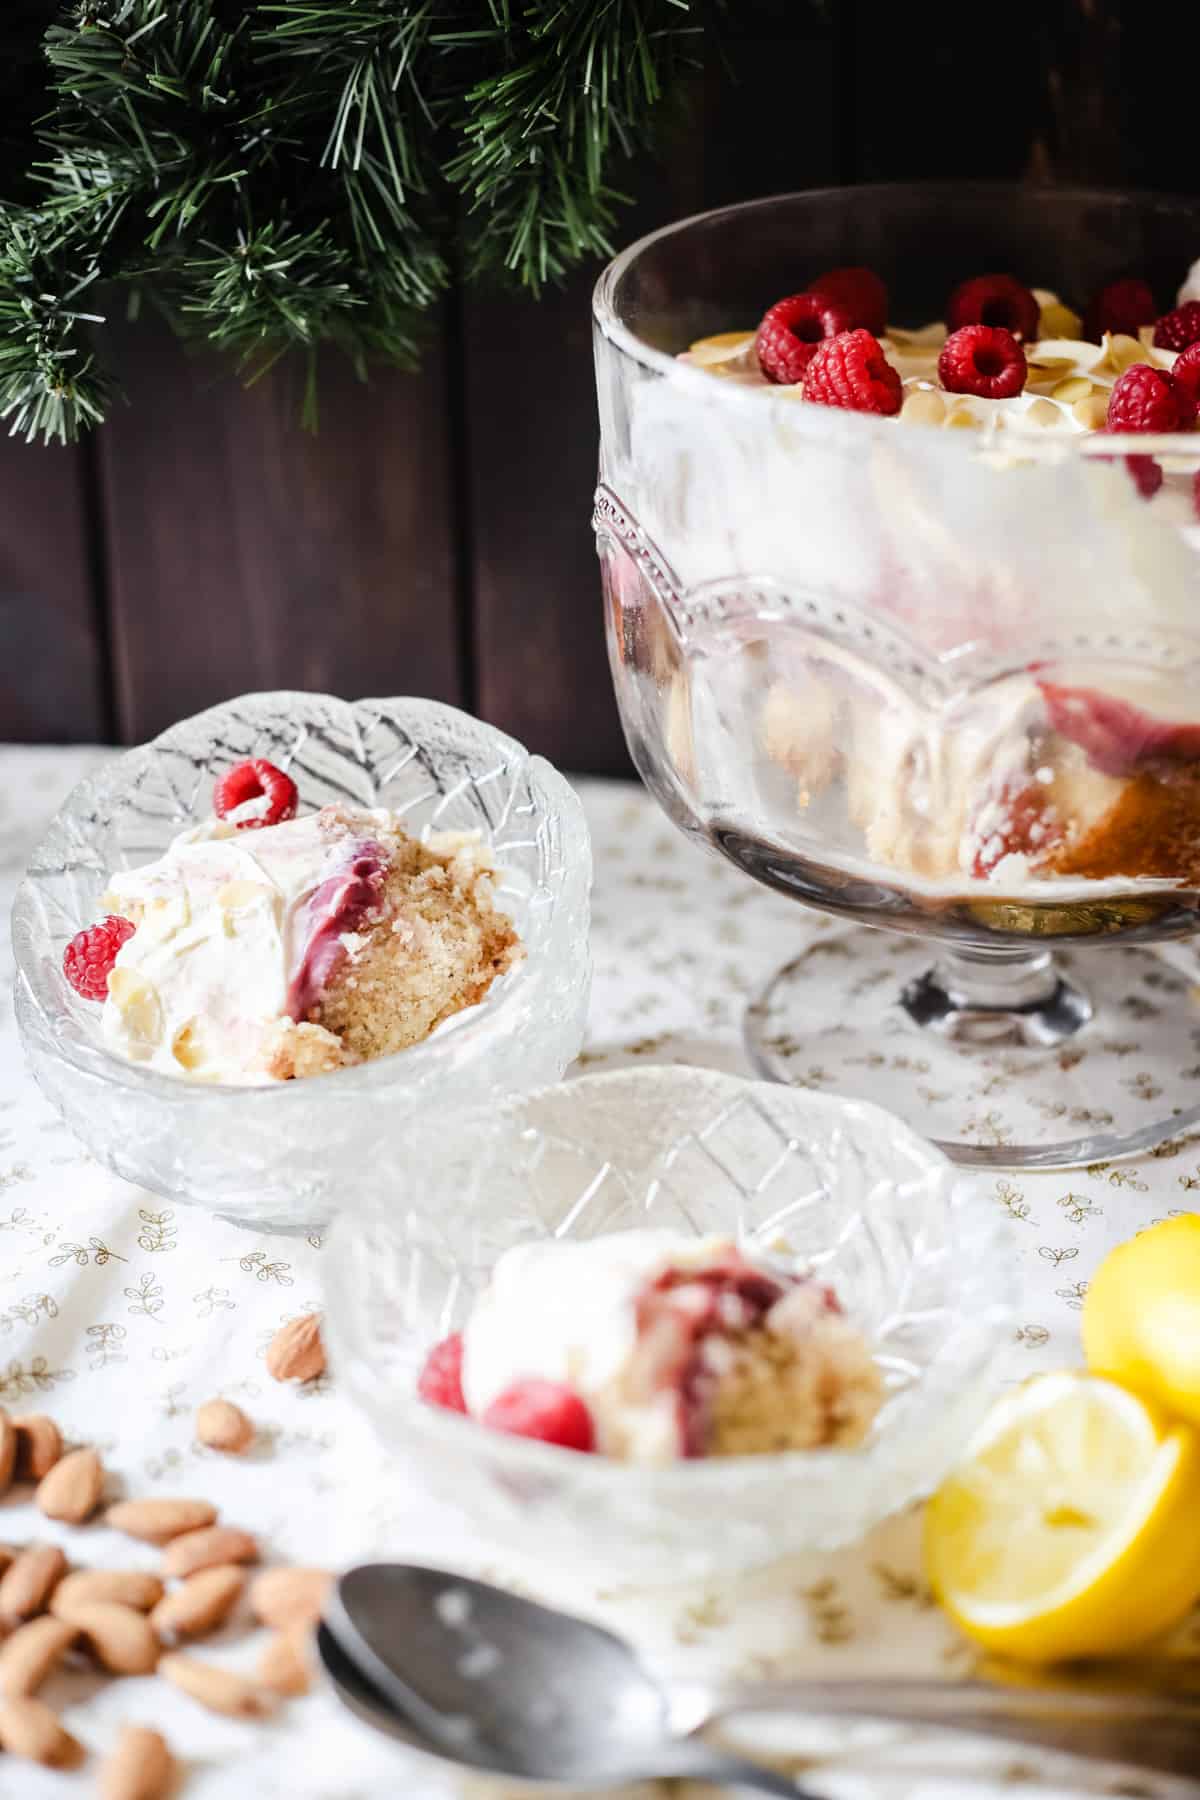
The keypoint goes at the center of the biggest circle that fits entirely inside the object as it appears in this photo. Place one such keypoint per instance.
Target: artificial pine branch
(287, 174)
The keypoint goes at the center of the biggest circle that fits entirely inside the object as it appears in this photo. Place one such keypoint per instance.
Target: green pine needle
(280, 176)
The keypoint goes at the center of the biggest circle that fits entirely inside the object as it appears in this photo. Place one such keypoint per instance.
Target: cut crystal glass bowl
(922, 679)
(918, 1256)
(286, 1156)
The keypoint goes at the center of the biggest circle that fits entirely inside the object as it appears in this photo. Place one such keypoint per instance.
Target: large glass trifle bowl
(941, 681)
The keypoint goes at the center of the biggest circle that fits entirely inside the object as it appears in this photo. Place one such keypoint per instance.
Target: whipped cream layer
(565, 1311)
(237, 930)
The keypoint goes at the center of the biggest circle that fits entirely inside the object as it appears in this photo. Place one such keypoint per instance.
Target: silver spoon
(484, 1677)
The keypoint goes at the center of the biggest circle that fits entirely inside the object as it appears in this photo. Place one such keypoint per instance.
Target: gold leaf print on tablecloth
(94, 1251)
(104, 1345)
(1032, 1336)
(1053, 1255)
(1190, 1181)
(902, 1588)
(1074, 1295)
(21, 1219)
(255, 1263)
(146, 1298)
(830, 1621)
(989, 1127)
(1143, 1086)
(157, 1231)
(18, 1172)
(1013, 1201)
(34, 1377)
(211, 1300)
(1078, 1208)
(29, 1311)
(1128, 1178)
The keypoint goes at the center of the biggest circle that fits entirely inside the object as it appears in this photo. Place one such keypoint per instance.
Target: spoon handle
(1136, 1725)
(696, 1761)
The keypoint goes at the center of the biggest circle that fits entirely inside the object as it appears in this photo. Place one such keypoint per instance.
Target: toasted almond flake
(962, 421)
(1044, 414)
(1076, 387)
(1091, 412)
(1058, 321)
(923, 406)
(725, 346)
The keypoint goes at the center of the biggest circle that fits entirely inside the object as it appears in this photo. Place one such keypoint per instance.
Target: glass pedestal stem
(997, 997)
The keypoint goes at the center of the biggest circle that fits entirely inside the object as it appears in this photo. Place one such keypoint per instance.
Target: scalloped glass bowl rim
(104, 1066)
(850, 429)
(705, 1477)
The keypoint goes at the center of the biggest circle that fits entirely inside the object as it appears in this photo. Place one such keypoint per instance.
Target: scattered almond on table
(296, 1352)
(39, 1446)
(223, 1426)
(140, 1766)
(129, 1620)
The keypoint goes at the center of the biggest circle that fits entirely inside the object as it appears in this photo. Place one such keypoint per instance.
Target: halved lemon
(1072, 1526)
(1141, 1318)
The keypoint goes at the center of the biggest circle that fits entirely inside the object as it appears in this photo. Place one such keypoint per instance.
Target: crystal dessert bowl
(920, 1259)
(938, 681)
(287, 1154)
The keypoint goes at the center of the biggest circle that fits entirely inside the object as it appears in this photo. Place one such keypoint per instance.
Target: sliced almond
(1044, 414)
(220, 1690)
(923, 406)
(1091, 412)
(296, 1352)
(140, 1766)
(206, 1549)
(287, 1597)
(33, 1650)
(8, 1451)
(284, 1665)
(962, 420)
(28, 1728)
(71, 1490)
(29, 1581)
(223, 1426)
(1075, 387)
(199, 1604)
(39, 1445)
(121, 1640)
(126, 1587)
(158, 1521)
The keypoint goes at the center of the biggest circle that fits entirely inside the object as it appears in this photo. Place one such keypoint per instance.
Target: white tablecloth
(120, 1314)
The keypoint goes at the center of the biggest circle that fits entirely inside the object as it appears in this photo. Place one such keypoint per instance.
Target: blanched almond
(140, 1767)
(296, 1352)
(127, 1587)
(284, 1664)
(27, 1657)
(223, 1426)
(28, 1728)
(158, 1521)
(39, 1445)
(28, 1582)
(121, 1640)
(287, 1597)
(71, 1490)
(199, 1604)
(219, 1689)
(205, 1549)
(8, 1451)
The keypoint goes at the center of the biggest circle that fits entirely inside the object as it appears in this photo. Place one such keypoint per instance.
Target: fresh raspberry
(985, 360)
(1122, 306)
(851, 370)
(1146, 473)
(255, 779)
(1186, 376)
(790, 332)
(994, 300)
(543, 1409)
(89, 957)
(1146, 399)
(440, 1380)
(1176, 330)
(860, 292)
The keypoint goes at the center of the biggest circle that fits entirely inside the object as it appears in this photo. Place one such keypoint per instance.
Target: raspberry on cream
(294, 948)
(672, 1346)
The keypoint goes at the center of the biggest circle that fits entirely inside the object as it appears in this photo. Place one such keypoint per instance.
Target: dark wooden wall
(434, 537)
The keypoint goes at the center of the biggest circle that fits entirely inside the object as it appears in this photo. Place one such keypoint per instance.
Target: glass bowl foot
(1006, 1061)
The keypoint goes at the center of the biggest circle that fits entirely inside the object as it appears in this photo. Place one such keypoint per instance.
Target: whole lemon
(1141, 1317)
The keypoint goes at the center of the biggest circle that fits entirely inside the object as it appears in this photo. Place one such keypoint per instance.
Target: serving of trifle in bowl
(250, 949)
(898, 521)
